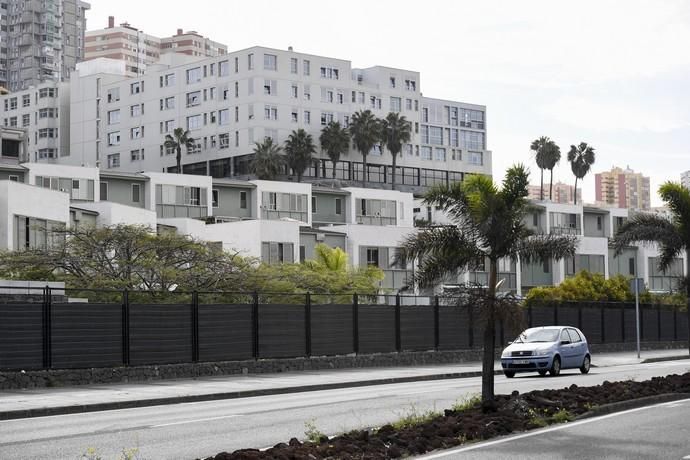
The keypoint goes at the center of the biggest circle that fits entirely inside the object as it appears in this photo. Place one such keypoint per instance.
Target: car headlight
(505, 354)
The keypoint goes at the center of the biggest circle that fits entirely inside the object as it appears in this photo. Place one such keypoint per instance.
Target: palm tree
(487, 223)
(539, 147)
(180, 138)
(365, 130)
(335, 140)
(268, 162)
(553, 157)
(299, 148)
(396, 131)
(672, 235)
(581, 158)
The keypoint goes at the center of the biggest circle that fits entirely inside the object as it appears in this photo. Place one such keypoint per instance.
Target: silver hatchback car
(547, 349)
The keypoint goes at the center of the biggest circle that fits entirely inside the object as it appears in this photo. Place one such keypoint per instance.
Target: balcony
(482, 279)
(569, 230)
(376, 220)
(274, 214)
(396, 279)
(164, 211)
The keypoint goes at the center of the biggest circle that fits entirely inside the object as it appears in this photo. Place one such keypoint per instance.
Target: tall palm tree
(335, 140)
(672, 235)
(268, 161)
(553, 157)
(487, 223)
(539, 147)
(180, 138)
(299, 148)
(365, 130)
(581, 158)
(396, 131)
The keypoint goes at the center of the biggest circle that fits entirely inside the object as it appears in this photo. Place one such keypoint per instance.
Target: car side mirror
(565, 342)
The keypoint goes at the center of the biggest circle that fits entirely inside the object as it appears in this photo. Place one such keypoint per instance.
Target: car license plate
(521, 361)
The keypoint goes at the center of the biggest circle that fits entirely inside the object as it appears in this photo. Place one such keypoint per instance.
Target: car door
(566, 351)
(577, 346)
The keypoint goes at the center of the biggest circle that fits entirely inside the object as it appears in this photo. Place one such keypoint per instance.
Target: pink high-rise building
(622, 188)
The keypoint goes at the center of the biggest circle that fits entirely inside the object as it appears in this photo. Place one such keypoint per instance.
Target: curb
(131, 404)
(632, 404)
(665, 358)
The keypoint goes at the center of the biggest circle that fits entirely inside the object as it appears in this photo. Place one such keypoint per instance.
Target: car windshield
(538, 335)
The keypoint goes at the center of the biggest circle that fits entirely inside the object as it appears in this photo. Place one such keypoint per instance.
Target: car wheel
(555, 367)
(509, 374)
(585, 365)
(543, 372)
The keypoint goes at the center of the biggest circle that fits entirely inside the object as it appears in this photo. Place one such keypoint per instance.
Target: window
(47, 133)
(476, 158)
(270, 62)
(313, 204)
(47, 153)
(26, 100)
(439, 154)
(194, 122)
(307, 117)
(223, 68)
(136, 155)
(243, 200)
(408, 104)
(307, 93)
(293, 65)
(270, 113)
(294, 116)
(114, 160)
(47, 113)
(214, 198)
(250, 61)
(167, 126)
(305, 67)
(294, 91)
(338, 206)
(167, 80)
(136, 87)
(193, 75)
(373, 257)
(270, 87)
(410, 85)
(326, 117)
(104, 191)
(26, 120)
(435, 135)
(426, 153)
(237, 64)
(193, 99)
(224, 140)
(114, 139)
(47, 92)
(136, 110)
(113, 94)
(395, 104)
(273, 253)
(168, 103)
(224, 117)
(136, 132)
(329, 72)
(113, 117)
(136, 193)
(391, 81)
(599, 223)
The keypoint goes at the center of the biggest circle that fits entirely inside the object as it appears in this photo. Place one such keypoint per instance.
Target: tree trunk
(551, 186)
(179, 160)
(489, 339)
(687, 292)
(364, 170)
(299, 177)
(333, 168)
(395, 160)
(575, 191)
(541, 186)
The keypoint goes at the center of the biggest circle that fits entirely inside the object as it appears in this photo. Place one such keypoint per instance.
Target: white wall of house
(185, 180)
(17, 199)
(62, 170)
(262, 186)
(403, 203)
(110, 213)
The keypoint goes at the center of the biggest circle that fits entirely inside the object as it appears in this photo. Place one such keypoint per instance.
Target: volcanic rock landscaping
(468, 422)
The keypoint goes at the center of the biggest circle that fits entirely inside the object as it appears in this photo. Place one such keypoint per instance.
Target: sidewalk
(88, 398)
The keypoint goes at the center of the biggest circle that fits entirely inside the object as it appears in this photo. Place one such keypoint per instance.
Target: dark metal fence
(73, 328)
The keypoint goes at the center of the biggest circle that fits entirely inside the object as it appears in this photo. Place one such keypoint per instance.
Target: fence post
(641, 322)
(579, 315)
(45, 332)
(125, 327)
(675, 324)
(195, 326)
(255, 325)
(555, 314)
(623, 322)
(398, 340)
(307, 324)
(501, 331)
(603, 326)
(355, 323)
(437, 337)
(470, 326)
(658, 322)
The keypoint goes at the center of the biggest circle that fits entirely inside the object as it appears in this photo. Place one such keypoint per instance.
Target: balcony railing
(663, 283)
(566, 230)
(395, 279)
(274, 214)
(482, 278)
(375, 220)
(167, 211)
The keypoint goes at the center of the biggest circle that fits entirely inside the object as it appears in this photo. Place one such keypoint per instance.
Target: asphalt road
(187, 431)
(652, 432)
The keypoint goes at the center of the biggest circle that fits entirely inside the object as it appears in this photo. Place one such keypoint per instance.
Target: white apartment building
(685, 179)
(231, 102)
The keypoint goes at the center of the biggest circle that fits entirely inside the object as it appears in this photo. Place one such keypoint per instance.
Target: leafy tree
(671, 234)
(396, 131)
(299, 148)
(128, 257)
(488, 223)
(365, 130)
(335, 140)
(581, 158)
(539, 147)
(268, 162)
(584, 286)
(180, 138)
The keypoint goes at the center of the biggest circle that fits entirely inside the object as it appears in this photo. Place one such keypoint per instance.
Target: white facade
(685, 179)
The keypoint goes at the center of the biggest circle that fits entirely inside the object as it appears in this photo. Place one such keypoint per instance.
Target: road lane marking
(542, 431)
(196, 420)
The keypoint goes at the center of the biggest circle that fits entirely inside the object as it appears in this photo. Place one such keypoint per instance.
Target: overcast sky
(615, 74)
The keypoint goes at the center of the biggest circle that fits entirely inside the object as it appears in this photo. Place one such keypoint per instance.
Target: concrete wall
(120, 191)
(229, 202)
(110, 213)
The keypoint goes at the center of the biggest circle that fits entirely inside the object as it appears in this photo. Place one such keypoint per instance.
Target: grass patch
(413, 417)
(312, 432)
(467, 402)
